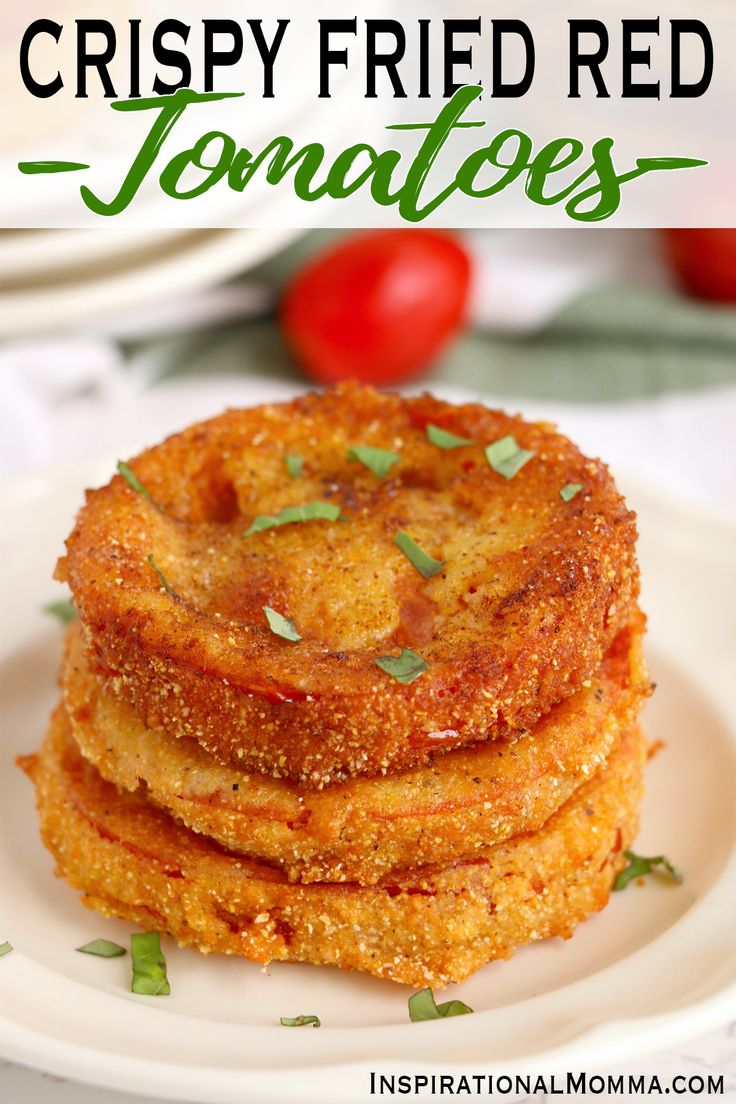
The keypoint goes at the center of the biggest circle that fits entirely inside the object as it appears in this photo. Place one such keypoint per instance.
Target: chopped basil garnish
(380, 461)
(149, 965)
(5, 948)
(102, 947)
(405, 667)
(281, 626)
(422, 561)
(639, 866)
(311, 511)
(162, 577)
(132, 480)
(443, 439)
(300, 1021)
(568, 492)
(63, 610)
(294, 465)
(506, 458)
(422, 1006)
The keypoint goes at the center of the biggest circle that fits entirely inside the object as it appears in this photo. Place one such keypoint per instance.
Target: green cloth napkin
(613, 343)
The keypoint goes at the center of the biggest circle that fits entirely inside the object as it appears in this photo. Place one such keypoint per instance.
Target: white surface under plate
(656, 967)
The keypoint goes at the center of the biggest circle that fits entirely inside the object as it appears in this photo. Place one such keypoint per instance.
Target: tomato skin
(705, 261)
(377, 307)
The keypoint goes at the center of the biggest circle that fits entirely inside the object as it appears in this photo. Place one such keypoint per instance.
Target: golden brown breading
(362, 829)
(533, 593)
(424, 927)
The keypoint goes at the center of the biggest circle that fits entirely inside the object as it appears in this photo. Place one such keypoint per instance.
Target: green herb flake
(639, 866)
(294, 465)
(311, 511)
(281, 626)
(149, 965)
(568, 492)
(300, 1021)
(443, 439)
(380, 461)
(64, 611)
(5, 948)
(405, 667)
(132, 480)
(423, 562)
(506, 458)
(422, 1006)
(162, 577)
(102, 947)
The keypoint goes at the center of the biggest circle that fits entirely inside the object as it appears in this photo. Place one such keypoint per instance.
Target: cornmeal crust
(533, 594)
(428, 926)
(362, 829)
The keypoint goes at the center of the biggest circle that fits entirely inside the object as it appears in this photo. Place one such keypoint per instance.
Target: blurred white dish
(197, 260)
(38, 255)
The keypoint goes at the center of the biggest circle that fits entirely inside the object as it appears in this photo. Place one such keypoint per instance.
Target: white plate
(190, 263)
(657, 966)
(41, 255)
(87, 128)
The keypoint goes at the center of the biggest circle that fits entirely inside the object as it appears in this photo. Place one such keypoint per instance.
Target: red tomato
(705, 261)
(377, 307)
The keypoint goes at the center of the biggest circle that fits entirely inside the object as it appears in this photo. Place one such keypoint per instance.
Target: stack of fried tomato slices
(355, 680)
